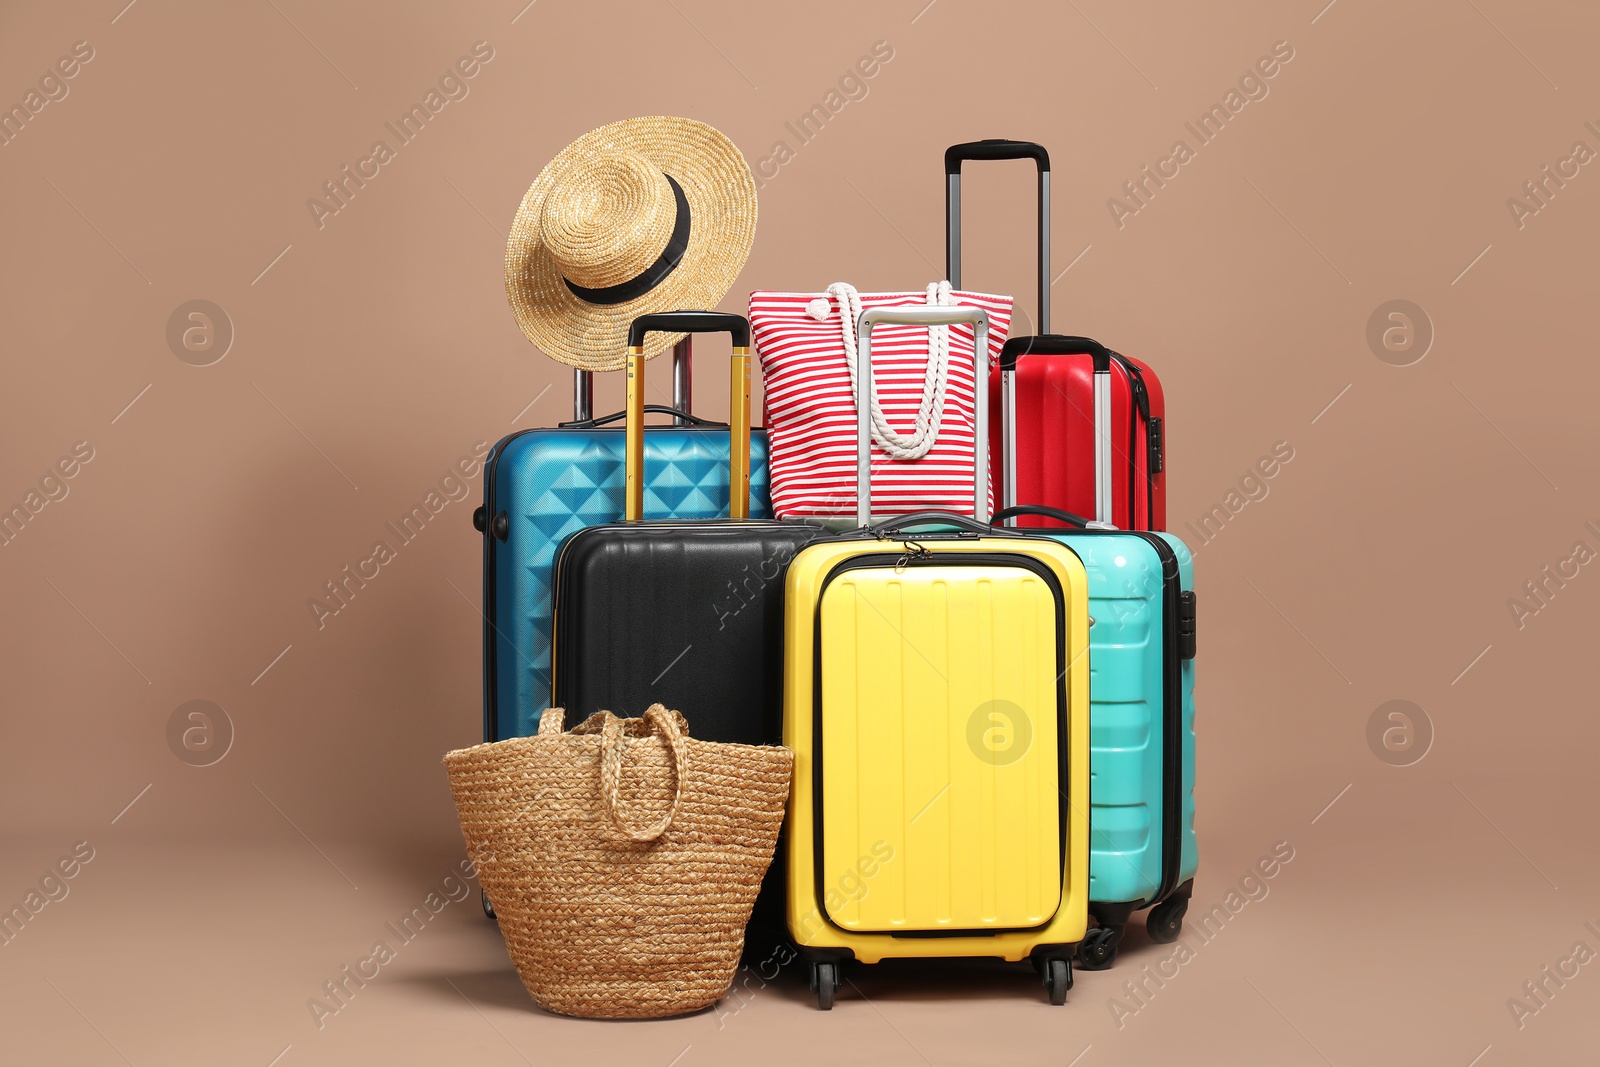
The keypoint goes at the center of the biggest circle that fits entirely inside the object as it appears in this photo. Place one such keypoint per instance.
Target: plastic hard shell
(1136, 856)
(550, 483)
(935, 695)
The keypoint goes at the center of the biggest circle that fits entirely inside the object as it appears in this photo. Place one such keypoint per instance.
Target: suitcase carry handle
(738, 403)
(691, 322)
(583, 390)
(972, 525)
(920, 315)
(680, 417)
(996, 148)
(931, 518)
(1066, 518)
(1055, 344)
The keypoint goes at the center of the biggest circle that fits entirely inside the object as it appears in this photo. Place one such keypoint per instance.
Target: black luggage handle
(1066, 518)
(929, 518)
(682, 417)
(1054, 344)
(987, 529)
(994, 148)
(738, 403)
(997, 148)
(691, 322)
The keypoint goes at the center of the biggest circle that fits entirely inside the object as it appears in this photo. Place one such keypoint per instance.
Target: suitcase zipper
(1154, 444)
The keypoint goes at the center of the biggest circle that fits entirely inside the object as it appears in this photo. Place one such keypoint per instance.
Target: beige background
(371, 353)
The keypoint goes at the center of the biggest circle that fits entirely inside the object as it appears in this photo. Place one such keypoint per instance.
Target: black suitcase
(686, 613)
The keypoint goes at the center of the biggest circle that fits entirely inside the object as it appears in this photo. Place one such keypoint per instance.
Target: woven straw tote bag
(622, 858)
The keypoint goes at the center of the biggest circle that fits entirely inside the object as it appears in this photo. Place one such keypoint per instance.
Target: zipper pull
(914, 553)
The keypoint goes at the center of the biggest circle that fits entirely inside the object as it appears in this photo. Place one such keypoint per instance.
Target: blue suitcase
(542, 484)
(1143, 852)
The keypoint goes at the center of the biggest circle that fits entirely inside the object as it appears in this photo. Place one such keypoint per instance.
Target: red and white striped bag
(923, 454)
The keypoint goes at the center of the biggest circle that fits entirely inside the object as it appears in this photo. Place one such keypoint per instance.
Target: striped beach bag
(923, 404)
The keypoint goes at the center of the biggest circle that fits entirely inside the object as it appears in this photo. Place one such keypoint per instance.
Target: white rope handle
(930, 410)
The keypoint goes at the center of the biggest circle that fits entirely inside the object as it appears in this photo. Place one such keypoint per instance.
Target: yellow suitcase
(936, 698)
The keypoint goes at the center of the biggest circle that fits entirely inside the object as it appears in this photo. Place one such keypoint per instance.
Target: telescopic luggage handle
(738, 402)
(1055, 344)
(921, 315)
(997, 148)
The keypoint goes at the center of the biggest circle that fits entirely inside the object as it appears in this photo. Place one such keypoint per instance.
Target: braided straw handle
(665, 725)
(611, 769)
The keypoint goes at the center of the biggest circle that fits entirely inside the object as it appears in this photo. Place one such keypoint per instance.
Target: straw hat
(639, 216)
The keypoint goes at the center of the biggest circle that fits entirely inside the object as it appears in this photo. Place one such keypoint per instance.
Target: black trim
(891, 560)
(1186, 622)
(655, 273)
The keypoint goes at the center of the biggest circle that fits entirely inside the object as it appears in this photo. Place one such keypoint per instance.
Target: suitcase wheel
(488, 908)
(1058, 979)
(825, 981)
(1099, 947)
(1165, 921)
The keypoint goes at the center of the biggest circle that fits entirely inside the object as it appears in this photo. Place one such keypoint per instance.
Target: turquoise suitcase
(1143, 852)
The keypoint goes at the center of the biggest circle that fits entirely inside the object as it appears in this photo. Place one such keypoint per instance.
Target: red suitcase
(1050, 395)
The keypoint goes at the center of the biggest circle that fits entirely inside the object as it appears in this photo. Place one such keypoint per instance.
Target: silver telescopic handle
(682, 383)
(1008, 440)
(924, 315)
(953, 240)
(682, 386)
(1043, 347)
(1102, 447)
(582, 395)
